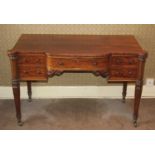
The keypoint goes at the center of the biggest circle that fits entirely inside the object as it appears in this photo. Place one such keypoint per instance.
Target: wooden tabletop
(77, 45)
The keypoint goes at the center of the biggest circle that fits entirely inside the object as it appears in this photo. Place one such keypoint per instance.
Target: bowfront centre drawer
(32, 67)
(56, 63)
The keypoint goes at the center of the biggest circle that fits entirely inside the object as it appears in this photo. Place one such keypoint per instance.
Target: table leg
(138, 93)
(16, 93)
(29, 90)
(124, 91)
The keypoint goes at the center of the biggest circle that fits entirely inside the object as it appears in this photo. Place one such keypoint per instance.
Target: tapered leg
(16, 93)
(138, 93)
(124, 91)
(29, 90)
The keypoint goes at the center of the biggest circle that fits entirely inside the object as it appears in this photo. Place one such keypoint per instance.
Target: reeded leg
(138, 92)
(16, 93)
(124, 91)
(29, 90)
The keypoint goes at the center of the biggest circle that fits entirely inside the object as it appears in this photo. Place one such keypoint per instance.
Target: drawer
(125, 60)
(37, 59)
(123, 73)
(32, 73)
(78, 63)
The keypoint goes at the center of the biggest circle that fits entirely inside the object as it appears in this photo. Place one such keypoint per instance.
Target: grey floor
(77, 114)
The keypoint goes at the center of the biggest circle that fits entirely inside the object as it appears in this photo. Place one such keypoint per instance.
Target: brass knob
(38, 72)
(77, 60)
(25, 72)
(94, 63)
(38, 61)
(119, 73)
(25, 60)
(118, 61)
(61, 63)
(130, 72)
(131, 62)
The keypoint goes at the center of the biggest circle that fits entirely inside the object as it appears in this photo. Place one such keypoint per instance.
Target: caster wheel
(20, 123)
(135, 124)
(123, 101)
(30, 100)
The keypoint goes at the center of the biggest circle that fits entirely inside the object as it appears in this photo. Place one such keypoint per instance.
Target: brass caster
(20, 123)
(30, 100)
(135, 123)
(123, 100)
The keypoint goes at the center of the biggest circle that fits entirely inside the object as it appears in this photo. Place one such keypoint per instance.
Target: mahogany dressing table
(119, 58)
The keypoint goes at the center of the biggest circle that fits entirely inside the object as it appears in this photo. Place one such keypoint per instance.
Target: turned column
(15, 86)
(124, 91)
(138, 87)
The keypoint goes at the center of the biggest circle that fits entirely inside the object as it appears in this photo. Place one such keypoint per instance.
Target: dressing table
(36, 57)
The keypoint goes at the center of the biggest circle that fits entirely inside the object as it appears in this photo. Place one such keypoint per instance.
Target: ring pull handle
(118, 61)
(95, 63)
(61, 63)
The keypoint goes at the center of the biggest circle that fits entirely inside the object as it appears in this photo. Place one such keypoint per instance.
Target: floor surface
(77, 114)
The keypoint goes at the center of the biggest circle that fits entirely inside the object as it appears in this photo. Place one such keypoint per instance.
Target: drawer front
(123, 74)
(31, 72)
(32, 66)
(77, 63)
(123, 67)
(124, 60)
(38, 59)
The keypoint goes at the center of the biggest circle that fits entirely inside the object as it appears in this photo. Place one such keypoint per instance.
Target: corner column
(138, 87)
(16, 86)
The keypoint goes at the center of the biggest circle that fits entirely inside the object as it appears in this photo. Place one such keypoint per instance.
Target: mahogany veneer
(35, 57)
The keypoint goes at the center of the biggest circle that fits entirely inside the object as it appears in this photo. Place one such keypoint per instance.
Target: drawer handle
(130, 73)
(119, 73)
(118, 61)
(61, 63)
(25, 72)
(131, 62)
(25, 60)
(95, 63)
(38, 61)
(39, 72)
(77, 60)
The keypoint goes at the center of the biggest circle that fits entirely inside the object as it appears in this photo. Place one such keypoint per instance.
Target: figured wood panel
(77, 45)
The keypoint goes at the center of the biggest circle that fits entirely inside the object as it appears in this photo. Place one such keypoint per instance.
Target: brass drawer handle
(61, 63)
(119, 73)
(94, 63)
(25, 72)
(77, 60)
(25, 60)
(118, 61)
(38, 61)
(130, 72)
(39, 72)
(131, 62)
